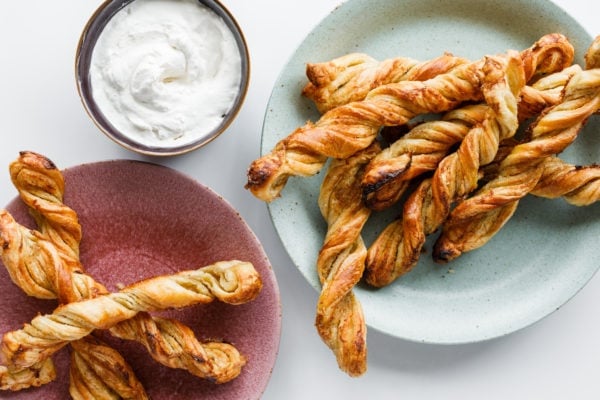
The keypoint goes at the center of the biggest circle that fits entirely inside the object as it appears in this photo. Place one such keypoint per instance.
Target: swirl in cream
(165, 72)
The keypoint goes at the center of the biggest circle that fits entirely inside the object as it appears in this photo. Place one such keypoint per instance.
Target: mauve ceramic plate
(140, 220)
(545, 254)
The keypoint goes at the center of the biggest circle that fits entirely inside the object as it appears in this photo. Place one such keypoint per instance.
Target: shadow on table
(397, 354)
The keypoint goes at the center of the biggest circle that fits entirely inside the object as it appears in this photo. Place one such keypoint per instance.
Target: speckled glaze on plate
(141, 220)
(544, 255)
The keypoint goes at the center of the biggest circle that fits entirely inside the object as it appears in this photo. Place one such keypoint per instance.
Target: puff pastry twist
(341, 262)
(35, 375)
(592, 55)
(420, 150)
(167, 341)
(36, 266)
(233, 282)
(475, 220)
(578, 185)
(398, 247)
(99, 372)
(346, 129)
(41, 186)
(352, 76)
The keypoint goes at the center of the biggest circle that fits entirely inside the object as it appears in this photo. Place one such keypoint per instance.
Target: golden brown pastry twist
(592, 55)
(41, 186)
(551, 53)
(344, 130)
(26, 269)
(341, 262)
(99, 372)
(475, 220)
(232, 282)
(578, 185)
(423, 147)
(35, 375)
(167, 341)
(37, 258)
(32, 262)
(398, 247)
(352, 76)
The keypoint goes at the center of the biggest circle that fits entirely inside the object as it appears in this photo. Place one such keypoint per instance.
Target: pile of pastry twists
(459, 171)
(45, 264)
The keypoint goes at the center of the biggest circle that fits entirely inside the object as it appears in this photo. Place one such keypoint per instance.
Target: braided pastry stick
(398, 247)
(41, 186)
(97, 371)
(578, 185)
(37, 374)
(351, 77)
(93, 365)
(475, 220)
(41, 373)
(424, 146)
(346, 129)
(167, 341)
(341, 262)
(592, 55)
(232, 282)
(170, 343)
(349, 128)
(389, 174)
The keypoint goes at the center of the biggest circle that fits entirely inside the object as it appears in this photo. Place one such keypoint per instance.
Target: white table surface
(557, 358)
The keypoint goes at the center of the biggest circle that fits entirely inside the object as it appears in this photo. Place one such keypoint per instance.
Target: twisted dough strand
(344, 130)
(351, 77)
(27, 254)
(99, 372)
(36, 375)
(520, 171)
(388, 175)
(41, 186)
(341, 261)
(32, 262)
(167, 341)
(456, 175)
(578, 185)
(592, 55)
(233, 282)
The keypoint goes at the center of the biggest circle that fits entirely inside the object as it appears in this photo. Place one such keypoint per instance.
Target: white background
(557, 358)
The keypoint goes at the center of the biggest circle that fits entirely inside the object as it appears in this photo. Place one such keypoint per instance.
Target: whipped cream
(165, 72)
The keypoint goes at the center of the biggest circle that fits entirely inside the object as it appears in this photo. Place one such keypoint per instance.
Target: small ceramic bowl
(83, 63)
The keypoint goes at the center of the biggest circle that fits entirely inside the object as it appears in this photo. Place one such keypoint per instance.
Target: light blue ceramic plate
(544, 255)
